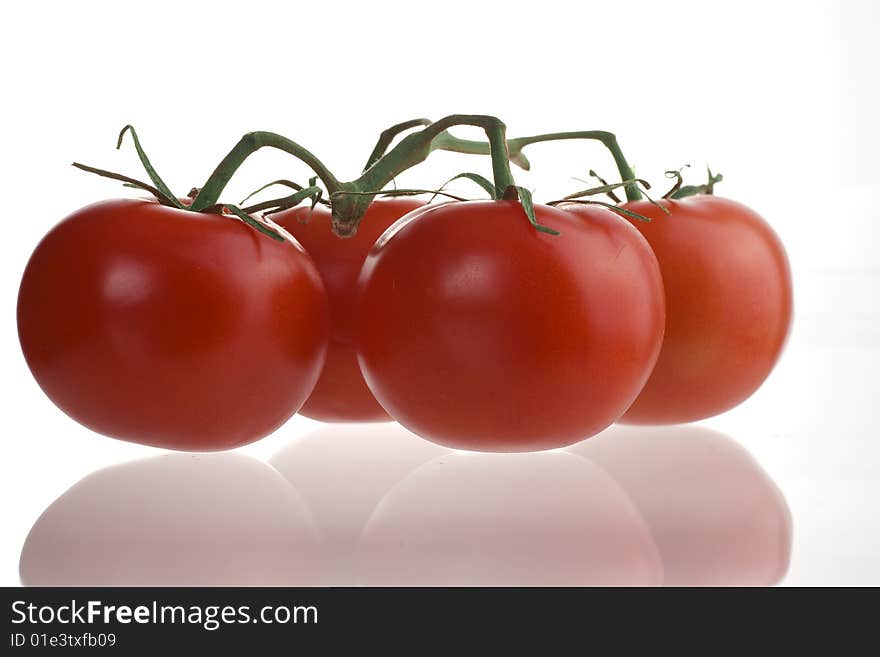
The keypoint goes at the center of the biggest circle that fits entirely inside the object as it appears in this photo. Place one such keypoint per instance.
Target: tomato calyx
(582, 197)
(166, 197)
(679, 190)
(610, 191)
(283, 203)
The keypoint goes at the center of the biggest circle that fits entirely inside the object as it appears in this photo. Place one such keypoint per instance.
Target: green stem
(443, 141)
(394, 193)
(249, 144)
(349, 202)
(415, 148)
(148, 167)
(131, 182)
(285, 202)
(388, 136)
(515, 146)
(447, 142)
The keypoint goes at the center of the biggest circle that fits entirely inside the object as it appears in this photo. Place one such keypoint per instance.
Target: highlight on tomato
(147, 321)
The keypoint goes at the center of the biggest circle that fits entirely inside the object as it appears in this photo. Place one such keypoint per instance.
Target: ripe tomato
(477, 331)
(341, 395)
(170, 327)
(728, 307)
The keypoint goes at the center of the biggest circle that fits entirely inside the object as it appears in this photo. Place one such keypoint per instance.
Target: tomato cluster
(497, 325)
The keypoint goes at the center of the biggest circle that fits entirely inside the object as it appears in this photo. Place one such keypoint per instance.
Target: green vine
(418, 138)
(166, 197)
(349, 200)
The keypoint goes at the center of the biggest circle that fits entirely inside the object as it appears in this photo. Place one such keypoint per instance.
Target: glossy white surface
(177, 519)
(644, 507)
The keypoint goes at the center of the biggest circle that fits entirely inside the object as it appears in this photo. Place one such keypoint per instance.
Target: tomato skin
(171, 328)
(476, 331)
(728, 307)
(341, 394)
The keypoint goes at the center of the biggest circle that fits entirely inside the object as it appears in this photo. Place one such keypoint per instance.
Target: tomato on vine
(354, 213)
(480, 330)
(494, 325)
(476, 324)
(341, 394)
(150, 322)
(728, 292)
(168, 322)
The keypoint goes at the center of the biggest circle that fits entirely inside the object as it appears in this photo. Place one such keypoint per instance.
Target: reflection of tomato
(170, 327)
(543, 519)
(477, 331)
(341, 395)
(175, 520)
(716, 517)
(370, 459)
(728, 307)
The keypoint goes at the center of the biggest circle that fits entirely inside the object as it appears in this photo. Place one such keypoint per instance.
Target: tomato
(171, 328)
(477, 331)
(341, 395)
(728, 307)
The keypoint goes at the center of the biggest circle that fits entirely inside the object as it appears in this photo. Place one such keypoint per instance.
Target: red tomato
(170, 327)
(477, 331)
(341, 395)
(728, 307)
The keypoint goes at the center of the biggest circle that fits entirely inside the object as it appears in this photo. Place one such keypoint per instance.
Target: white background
(782, 97)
